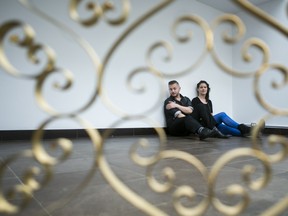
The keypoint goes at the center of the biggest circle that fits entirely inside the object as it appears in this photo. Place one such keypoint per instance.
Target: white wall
(245, 105)
(20, 111)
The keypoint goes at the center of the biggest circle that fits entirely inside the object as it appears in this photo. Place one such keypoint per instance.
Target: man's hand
(180, 115)
(171, 105)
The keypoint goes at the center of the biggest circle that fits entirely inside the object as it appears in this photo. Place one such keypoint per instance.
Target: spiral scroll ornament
(163, 182)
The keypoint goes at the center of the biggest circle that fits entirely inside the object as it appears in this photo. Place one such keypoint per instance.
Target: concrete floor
(99, 198)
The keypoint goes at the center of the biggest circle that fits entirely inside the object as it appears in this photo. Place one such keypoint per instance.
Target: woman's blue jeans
(226, 124)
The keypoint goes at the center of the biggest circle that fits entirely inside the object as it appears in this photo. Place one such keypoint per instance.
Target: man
(177, 110)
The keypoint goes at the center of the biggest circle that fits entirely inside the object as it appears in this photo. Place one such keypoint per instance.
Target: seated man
(179, 121)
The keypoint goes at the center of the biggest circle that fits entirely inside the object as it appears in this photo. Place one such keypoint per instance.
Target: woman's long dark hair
(208, 89)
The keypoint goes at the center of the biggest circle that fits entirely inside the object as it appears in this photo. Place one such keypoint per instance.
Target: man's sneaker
(205, 133)
(216, 133)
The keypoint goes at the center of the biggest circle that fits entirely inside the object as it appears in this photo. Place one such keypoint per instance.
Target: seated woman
(225, 124)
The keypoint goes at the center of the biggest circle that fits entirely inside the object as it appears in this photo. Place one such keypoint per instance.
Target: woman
(225, 124)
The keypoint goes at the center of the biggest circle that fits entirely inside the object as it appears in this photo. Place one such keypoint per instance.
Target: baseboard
(81, 133)
(72, 133)
(276, 130)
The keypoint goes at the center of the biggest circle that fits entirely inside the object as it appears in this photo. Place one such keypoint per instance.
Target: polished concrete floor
(99, 198)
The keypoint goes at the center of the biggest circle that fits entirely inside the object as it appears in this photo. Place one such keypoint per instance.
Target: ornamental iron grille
(93, 15)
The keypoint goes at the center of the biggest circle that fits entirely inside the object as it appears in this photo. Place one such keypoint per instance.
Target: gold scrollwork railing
(47, 162)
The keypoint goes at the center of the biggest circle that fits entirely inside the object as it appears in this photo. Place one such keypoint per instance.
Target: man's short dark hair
(173, 82)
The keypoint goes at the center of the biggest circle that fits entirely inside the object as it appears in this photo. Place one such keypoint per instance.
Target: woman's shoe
(244, 129)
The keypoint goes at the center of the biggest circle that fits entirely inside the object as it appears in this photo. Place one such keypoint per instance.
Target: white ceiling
(227, 5)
